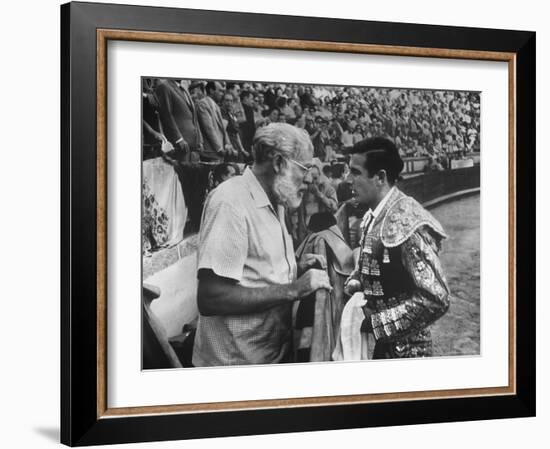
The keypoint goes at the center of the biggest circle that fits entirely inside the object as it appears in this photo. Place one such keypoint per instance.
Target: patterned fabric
(426, 303)
(401, 278)
(418, 344)
(164, 212)
(154, 229)
(403, 218)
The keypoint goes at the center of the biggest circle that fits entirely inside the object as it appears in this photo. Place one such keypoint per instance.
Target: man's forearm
(219, 297)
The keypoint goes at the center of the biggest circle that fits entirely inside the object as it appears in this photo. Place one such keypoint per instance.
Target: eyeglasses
(303, 167)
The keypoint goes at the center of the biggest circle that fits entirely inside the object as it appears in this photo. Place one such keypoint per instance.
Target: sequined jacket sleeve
(428, 301)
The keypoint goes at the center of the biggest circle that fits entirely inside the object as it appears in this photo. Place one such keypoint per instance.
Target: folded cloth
(351, 343)
(316, 318)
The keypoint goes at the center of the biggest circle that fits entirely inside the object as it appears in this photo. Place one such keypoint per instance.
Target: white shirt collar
(377, 210)
(255, 188)
(382, 203)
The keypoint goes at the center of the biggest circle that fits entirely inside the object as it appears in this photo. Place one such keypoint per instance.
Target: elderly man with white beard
(248, 277)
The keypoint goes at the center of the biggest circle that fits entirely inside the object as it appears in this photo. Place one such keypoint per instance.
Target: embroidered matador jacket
(400, 274)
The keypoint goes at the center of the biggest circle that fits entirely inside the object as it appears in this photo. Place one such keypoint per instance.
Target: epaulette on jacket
(403, 218)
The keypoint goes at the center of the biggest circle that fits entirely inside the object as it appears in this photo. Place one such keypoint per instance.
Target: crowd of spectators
(436, 123)
(205, 124)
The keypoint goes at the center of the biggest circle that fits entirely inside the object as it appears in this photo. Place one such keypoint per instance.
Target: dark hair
(381, 154)
(327, 171)
(245, 94)
(337, 170)
(210, 86)
(268, 112)
(222, 170)
(280, 102)
(196, 84)
(320, 221)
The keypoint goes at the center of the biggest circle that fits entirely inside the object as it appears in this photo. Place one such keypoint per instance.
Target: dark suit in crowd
(178, 115)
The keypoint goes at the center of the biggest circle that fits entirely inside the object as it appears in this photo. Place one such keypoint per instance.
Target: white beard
(286, 192)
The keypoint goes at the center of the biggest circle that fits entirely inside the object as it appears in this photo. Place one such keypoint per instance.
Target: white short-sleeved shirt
(242, 237)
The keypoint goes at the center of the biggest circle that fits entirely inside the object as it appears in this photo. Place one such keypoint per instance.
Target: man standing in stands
(248, 126)
(246, 264)
(232, 128)
(216, 141)
(398, 279)
(196, 89)
(178, 118)
(235, 90)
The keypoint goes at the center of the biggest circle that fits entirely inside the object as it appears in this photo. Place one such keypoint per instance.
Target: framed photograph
(284, 224)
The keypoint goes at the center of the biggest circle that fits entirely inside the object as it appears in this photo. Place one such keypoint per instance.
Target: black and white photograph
(295, 223)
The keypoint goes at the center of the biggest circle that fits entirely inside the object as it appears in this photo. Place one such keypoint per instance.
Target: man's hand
(352, 286)
(158, 136)
(319, 191)
(314, 189)
(311, 281)
(229, 149)
(309, 260)
(182, 146)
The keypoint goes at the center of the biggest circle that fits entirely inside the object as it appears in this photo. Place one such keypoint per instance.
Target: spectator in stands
(301, 122)
(222, 172)
(306, 97)
(217, 145)
(320, 138)
(320, 196)
(433, 165)
(196, 90)
(260, 108)
(232, 127)
(179, 119)
(271, 116)
(248, 126)
(357, 134)
(235, 90)
(286, 110)
(337, 176)
(152, 137)
(347, 136)
(270, 96)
